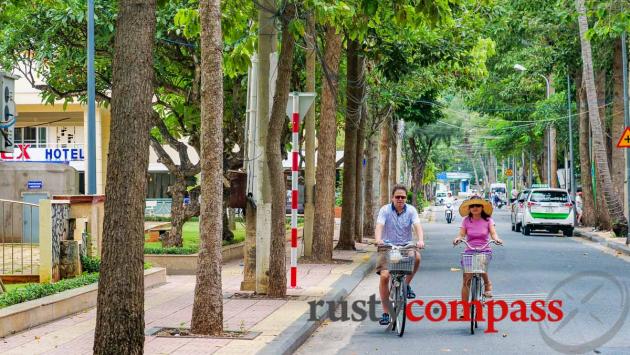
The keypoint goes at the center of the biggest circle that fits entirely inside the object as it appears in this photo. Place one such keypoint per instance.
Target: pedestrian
(579, 204)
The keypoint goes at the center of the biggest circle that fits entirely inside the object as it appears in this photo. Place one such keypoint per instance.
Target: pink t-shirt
(477, 232)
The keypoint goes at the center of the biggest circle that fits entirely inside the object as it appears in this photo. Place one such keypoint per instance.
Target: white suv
(518, 207)
(548, 209)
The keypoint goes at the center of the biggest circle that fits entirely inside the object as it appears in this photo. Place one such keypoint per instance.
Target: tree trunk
(393, 155)
(603, 218)
(325, 177)
(180, 213)
(613, 202)
(543, 166)
(120, 302)
(173, 238)
(485, 174)
(266, 47)
(588, 210)
(385, 161)
(618, 161)
(353, 115)
(360, 205)
(370, 201)
(249, 251)
(553, 134)
(309, 133)
(277, 262)
(207, 314)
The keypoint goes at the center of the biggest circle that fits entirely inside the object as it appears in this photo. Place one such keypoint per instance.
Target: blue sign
(34, 184)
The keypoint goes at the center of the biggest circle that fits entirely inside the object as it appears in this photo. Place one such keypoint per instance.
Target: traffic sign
(624, 141)
(509, 172)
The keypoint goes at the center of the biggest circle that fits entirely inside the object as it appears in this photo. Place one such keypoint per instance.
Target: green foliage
(90, 264)
(166, 219)
(35, 291)
(171, 250)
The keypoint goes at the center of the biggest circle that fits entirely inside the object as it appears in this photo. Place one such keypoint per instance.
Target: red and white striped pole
(294, 188)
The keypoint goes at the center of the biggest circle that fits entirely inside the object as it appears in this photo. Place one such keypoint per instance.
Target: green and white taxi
(548, 209)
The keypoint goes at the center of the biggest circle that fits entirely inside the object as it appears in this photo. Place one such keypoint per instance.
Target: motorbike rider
(448, 212)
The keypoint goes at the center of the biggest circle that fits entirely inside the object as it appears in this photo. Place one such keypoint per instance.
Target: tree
(615, 208)
(419, 144)
(120, 301)
(325, 175)
(353, 116)
(277, 268)
(207, 316)
(588, 216)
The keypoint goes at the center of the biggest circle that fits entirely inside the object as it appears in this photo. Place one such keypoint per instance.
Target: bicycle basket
(475, 263)
(400, 263)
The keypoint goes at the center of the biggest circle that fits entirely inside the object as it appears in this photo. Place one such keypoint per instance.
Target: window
(17, 135)
(35, 136)
(41, 139)
(30, 135)
(549, 196)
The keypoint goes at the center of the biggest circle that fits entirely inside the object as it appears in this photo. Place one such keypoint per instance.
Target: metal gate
(19, 236)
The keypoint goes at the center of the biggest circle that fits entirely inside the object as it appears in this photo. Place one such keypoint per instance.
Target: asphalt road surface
(592, 283)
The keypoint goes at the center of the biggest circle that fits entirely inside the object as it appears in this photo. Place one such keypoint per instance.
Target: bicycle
(400, 262)
(476, 264)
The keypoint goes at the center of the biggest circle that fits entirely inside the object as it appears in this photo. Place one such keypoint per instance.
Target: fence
(19, 238)
(158, 207)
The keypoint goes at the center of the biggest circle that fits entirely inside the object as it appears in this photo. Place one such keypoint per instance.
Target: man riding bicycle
(394, 224)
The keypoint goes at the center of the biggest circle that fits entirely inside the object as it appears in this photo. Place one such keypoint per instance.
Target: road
(526, 268)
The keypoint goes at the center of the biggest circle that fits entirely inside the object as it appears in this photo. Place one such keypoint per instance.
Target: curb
(603, 241)
(290, 339)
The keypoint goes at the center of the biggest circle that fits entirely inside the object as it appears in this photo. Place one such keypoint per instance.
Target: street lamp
(548, 86)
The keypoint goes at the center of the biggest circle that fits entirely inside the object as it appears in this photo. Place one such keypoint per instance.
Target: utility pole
(626, 116)
(91, 122)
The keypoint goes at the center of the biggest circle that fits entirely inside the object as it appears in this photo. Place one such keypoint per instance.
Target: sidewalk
(604, 238)
(283, 323)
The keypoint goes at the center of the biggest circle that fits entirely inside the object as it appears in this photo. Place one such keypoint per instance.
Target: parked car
(440, 197)
(548, 209)
(518, 206)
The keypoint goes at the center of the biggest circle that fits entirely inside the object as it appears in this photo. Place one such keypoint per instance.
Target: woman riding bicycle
(478, 228)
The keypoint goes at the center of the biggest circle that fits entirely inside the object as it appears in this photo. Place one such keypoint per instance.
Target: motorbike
(449, 213)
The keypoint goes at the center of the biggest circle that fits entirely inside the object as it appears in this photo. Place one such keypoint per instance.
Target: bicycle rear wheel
(473, 297)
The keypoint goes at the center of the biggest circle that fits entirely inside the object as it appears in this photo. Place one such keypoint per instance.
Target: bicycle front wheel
(474, 284)
(401, 307)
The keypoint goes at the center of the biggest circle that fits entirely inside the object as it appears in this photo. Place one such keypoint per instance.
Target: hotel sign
(24, 152)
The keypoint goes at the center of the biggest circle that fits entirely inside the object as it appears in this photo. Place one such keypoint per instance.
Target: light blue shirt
(397, 228)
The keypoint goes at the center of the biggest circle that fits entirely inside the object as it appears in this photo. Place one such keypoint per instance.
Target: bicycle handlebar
(387, 244)
(478, 249)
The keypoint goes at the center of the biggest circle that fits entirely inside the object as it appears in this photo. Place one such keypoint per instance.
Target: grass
(190, 234)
